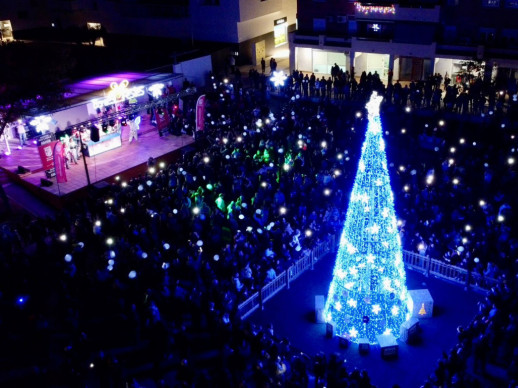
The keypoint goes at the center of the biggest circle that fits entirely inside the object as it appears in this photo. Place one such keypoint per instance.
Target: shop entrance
(372, 63)
(258, 52)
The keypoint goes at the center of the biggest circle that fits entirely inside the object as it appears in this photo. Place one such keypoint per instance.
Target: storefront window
(324, 60)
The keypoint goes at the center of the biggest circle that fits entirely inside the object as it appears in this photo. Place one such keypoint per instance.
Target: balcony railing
(321, 40)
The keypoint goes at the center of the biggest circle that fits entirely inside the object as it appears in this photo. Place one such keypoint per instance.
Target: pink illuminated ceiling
(101, 83)
(88, 89)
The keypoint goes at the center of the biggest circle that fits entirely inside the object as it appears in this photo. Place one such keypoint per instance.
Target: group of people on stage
(71, 142)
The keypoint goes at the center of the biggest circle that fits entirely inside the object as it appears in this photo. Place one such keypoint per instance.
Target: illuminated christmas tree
(368, 295)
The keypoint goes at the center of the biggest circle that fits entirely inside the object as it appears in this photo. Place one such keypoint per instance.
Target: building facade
(254, 28)
(407, 39)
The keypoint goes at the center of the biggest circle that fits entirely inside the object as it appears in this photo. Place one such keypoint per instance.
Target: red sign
(200, 113)
(162, 121)
(46, 152)
(59, 162)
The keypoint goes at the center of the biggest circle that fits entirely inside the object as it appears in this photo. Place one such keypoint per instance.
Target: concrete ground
(292, 314)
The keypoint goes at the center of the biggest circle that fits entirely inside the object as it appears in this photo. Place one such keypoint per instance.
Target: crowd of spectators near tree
(145, 278)
(464, 93)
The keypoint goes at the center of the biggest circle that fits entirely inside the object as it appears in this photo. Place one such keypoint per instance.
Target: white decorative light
(278, 78)
(156, 90)
(119, 92)
(41, 123)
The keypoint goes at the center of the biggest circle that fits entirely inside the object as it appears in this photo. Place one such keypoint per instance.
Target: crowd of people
(145, 278)
(467, 93)
(455, 205)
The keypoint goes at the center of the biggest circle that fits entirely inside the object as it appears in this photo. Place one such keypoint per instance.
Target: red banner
(46, 152)
(200, 113)
(59, 162)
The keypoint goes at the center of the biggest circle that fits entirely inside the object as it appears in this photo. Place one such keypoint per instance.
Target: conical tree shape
(368, 295)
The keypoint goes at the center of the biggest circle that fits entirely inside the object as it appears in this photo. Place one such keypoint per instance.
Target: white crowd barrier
(274, 286)
(452, 273)
(413, 261)
(250, 305)
(416, 262)
(299, 267)
(286, 277)
(449, 272)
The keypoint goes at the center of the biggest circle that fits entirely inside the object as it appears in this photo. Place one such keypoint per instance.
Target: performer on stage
(134, 125)
(69, 154)
(74, 149)
(22, 133)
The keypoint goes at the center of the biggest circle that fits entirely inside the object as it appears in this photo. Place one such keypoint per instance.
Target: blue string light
(368, 295)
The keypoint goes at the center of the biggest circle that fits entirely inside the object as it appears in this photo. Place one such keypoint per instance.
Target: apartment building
(254, 28)
(410, 38)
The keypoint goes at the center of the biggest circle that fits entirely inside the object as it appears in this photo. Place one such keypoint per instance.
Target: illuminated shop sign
(280, 21)
(119, 92)
(280, 35)
(379, 9)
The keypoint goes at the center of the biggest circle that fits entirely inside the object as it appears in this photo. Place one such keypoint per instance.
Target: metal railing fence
(413, 261)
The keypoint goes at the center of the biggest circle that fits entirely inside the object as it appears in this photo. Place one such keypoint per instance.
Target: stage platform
(126, 161)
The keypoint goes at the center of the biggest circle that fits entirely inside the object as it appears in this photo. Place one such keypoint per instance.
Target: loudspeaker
(22, 170)
(94, 134)
(45, 182)
(101, 187)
